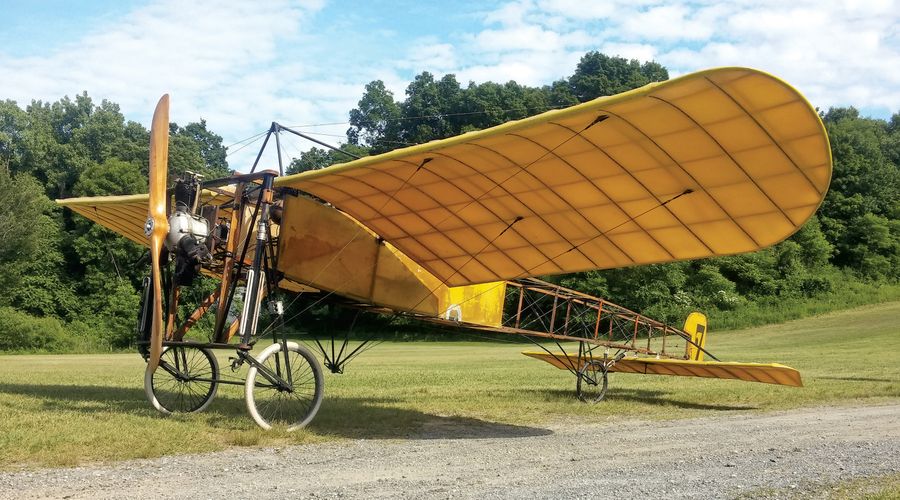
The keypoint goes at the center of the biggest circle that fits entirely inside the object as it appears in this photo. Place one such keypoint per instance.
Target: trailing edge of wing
(719, 162)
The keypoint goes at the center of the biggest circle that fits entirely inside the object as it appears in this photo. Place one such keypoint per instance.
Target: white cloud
(579, 9)
(241, 65)
(219, 60)
(527, 38)
(672, 22)
(521, 71)
(837, 53)
(639, 51)
(430, 55)
(169, 46)
(510, 14)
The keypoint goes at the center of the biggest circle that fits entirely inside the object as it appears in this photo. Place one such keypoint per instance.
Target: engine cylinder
(182, 224)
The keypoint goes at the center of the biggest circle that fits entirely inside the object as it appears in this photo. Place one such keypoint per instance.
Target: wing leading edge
(719, 162)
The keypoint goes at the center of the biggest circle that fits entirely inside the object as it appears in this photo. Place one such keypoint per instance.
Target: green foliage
(860, 214)
(655, 288)
(211, 149)
(872, 246)
(21, 203)
(115, 318)
(21, 332)
(22, 222)
(815, 249)
(426, 106)
(846, 292)
(440, 108)
(56, 266)
(375, 121)
(598, 75)
(711, 289)
(112, 177)
(196, 149)
(316, 158)
(436, 109)
(103, 256)
(43, 288)
(12, 141)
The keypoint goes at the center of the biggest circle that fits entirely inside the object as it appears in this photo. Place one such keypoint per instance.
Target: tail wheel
(184, 381)
(292, 404)
(591, 383)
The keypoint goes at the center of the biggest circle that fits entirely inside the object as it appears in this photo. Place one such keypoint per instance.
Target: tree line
(67, 283)
(64, 281)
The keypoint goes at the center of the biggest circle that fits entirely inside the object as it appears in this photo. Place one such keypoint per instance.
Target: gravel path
(712, 457)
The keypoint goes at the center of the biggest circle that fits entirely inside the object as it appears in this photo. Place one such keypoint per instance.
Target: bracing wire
(251, 140)
(363, 347)
(439, 115)
(248, 139)
(406, 181)
(359, 231)
(475, 254)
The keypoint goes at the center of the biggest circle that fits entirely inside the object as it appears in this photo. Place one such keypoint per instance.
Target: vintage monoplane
(455, 232)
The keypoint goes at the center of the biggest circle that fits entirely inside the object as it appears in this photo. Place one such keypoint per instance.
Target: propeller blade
(159, 164)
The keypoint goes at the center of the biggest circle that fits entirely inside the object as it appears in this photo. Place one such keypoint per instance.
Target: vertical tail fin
(695, 325)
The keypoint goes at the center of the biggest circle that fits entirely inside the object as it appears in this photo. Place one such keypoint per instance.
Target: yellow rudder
(695, 325)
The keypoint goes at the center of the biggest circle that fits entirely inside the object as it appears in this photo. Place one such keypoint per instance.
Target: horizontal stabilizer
(771, 373)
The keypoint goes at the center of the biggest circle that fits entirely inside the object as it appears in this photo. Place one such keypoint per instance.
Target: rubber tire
(316, 370)
(581, 392)
(151, 393)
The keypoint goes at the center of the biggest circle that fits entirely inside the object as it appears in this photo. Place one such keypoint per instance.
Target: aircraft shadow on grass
(856, 379)
(650, 397)
(359, 418)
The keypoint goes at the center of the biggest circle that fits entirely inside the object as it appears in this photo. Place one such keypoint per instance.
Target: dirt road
(714, 457)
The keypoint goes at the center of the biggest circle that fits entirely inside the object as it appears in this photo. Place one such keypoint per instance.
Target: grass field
(868, 488)
(69, 409)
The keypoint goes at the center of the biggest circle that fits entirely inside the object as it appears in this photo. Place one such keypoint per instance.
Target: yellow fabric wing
(766, 373)
(127, 214)
(719, 162)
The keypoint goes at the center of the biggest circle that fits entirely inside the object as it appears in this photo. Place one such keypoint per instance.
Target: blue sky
(241, 65)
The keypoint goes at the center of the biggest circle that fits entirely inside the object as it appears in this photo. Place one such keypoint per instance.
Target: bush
(22, 332)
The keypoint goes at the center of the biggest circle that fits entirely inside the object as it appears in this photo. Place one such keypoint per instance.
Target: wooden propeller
(158, 224)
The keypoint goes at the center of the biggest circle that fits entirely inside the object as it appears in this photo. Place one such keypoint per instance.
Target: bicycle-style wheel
(591, 382)
(293, 398)
(184, 382)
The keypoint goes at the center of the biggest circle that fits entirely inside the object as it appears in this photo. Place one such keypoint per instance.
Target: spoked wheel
(592, 381)
(293, 400)
(184, 382)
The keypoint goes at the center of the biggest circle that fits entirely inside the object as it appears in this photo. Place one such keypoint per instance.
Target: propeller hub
(148, 227)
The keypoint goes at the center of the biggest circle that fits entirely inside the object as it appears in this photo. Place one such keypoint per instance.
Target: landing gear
(284, 388)
(184, 382)
(591, 382)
